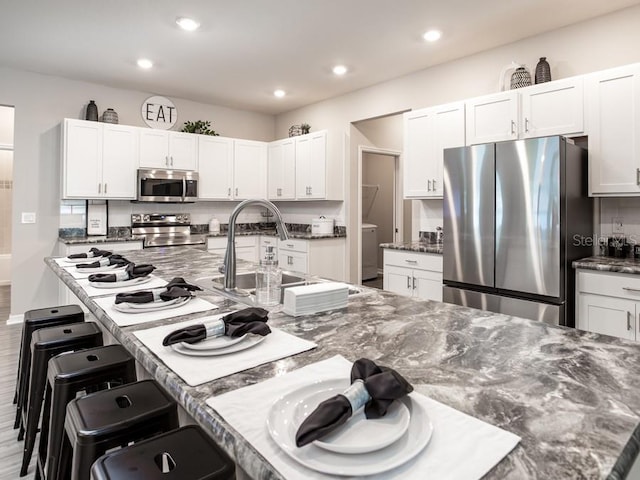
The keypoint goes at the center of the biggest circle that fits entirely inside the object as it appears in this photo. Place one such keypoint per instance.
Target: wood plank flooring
(10, 448)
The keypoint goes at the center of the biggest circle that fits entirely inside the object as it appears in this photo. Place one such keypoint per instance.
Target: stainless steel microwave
(172, 186)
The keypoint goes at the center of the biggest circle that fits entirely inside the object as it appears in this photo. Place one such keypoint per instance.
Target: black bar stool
(86, 370)
(112, 418)
(45, 344)
(183, 454)
(35, 320)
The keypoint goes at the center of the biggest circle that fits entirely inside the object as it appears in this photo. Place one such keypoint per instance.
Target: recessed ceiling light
(339, 70)
(145, 63)
(279, 93)
(432, 35)
(188, 24)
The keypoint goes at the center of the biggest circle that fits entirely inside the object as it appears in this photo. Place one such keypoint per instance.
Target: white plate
(123, 283)
(214, 343)
(150, 307)
(73, 261)
(283, 429)
(358, 435)
(251, 341)
(106, 268)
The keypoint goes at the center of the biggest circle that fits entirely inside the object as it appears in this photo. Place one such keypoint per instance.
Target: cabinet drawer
(622, 285)
(293, 261)
(424, 261)
(294, 245)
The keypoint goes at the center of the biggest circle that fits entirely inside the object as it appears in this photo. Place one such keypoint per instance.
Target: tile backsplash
(627, 210)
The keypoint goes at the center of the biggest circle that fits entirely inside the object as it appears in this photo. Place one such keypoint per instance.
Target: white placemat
(194, 305)
(154, 282)
(197, 370)
(461, 448)
(76, 273)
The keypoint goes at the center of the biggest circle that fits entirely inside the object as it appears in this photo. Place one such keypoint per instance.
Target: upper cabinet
(99, 160)
(231, 169)
(613, 126)
(168, 150)
(427, 132)
(281, 181)
(553, 108)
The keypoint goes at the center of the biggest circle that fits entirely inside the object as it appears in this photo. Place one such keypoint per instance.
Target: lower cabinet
(322, 257)
(608, 303)
(246, 247)
(413, 274)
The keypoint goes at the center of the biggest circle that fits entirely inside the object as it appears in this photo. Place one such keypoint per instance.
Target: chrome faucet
(229, 264)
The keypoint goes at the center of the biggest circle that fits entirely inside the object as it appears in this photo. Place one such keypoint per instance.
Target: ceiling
(245, 49)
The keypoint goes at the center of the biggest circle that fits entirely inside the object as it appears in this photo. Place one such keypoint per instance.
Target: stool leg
(34, 407)
(66, 456)
(41, 458)
(59, 399)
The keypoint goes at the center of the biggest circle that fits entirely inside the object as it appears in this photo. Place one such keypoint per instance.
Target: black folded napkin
(114, 259)
(234, 324)
(92, 253)
(383, 385)
(176, 288)
(132, 271)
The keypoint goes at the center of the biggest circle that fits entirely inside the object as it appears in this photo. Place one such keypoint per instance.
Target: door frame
(397, 199)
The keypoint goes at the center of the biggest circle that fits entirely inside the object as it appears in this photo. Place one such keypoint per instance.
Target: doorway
(6, 192)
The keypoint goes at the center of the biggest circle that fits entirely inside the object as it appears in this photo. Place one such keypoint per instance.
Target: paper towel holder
(97, 217)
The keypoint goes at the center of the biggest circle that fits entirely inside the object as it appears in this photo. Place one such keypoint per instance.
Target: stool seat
(45, 344)
(118, 416)
(35, 320)
(68, 374)
(183, 454)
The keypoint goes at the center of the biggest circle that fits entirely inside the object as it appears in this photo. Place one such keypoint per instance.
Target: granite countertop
(99, 239)
(419, 246)
(609, 264)
(274, 233)
(572, 396)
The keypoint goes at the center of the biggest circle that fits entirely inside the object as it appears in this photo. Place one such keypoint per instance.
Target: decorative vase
(109, 116)
(92, 111)
(295, 130)
(543, 71)
(520, 78)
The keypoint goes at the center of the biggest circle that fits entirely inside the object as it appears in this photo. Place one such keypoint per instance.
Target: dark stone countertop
(572, 396)
(98, 239)
(273, 233)
(419, 246)
(609, 264)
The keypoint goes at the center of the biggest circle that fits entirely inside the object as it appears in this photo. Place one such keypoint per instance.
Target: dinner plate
(81, 260)
(358, 435)
(151, 306)
(282, 428)
(250, 341)
(105, 268)
(213, 343)
(124, 283)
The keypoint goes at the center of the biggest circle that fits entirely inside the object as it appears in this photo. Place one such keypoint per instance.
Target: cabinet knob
(526, 125)
(434, 185)
(99, 188)
(513, 127)
(236, 191)
(413, 281)
(411, 261)
(408, 283)
(428, 185)
(172, 161)
(229, 192)
(166, 160)
(105, 188)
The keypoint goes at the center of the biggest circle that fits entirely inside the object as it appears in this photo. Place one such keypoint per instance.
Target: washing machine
(369, 251)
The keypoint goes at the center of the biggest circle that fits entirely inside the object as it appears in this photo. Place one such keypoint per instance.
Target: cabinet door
(183, 151)
(447, 132)
(250, 169)
(215, 167)
(613, 126)
(311, 161)
(554, 108)
(154, 148)
(119, 161)
(492, 118)
(418, 172)
(398, 280)
(82, 159)
(427, 285)
(282, 170)
(293, 261)
(608, 315)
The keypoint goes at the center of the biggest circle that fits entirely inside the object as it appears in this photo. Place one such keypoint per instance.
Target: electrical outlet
(28, 217)
(618, 225)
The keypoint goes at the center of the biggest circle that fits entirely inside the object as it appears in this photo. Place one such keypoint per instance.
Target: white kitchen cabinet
(215, 168)
(311, 166)
(281, 182)
(323, 257)
(608, 303)
(168, 150)
(613, 125)
(427, 132)
(492, 118)
(99, 160)
(246, 247)
(249, 169)
(413, 274)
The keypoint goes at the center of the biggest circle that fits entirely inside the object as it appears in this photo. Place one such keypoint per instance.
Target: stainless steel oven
(164, 229)
(171, 186)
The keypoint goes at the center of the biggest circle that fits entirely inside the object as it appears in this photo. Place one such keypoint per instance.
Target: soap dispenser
(268, 279)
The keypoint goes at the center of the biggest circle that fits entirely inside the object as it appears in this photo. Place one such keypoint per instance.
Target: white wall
(597, 44)
(41, 102)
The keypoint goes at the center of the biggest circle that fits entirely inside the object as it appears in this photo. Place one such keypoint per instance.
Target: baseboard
(16, 318)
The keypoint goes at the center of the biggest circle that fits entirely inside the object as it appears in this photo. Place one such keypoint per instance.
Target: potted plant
(199, 126)
(305, 127)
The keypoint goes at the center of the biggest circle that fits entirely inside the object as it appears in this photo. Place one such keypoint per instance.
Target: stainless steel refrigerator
(516, 214)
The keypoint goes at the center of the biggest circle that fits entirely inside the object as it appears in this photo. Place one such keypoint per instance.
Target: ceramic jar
(520, 78)
(543, 71)
(109, 116)
(92, 111)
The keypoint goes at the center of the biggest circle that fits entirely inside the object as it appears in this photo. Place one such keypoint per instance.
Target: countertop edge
(608, 264)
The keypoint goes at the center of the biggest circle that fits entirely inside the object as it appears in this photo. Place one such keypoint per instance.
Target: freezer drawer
(552, 314)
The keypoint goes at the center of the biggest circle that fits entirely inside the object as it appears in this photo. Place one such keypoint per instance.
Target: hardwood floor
(10, 448)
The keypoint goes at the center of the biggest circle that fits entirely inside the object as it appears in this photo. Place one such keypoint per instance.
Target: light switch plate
(28, 217)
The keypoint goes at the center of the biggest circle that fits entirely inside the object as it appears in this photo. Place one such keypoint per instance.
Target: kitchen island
(572, 396)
